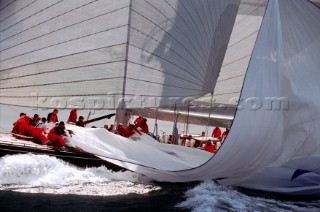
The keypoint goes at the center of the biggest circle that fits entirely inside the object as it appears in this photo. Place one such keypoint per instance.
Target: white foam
(41, 173)
(208, 196)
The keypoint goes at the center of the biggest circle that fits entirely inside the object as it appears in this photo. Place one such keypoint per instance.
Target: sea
(43, 183)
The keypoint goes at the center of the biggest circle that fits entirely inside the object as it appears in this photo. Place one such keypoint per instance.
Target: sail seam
(169, 62)
(242, 58)
(59, 83)
(58, 70)
(171, 36)
(230, 78)
(68, 55)
(32, 15)
(167, 73)
(198, 29)
(17, 10)
(168, 48)
(187, 88)
(7, 5)
(190, 41)
(96, 33)
(107, 78)
(175, 40)
(74, 9)
(57, 30)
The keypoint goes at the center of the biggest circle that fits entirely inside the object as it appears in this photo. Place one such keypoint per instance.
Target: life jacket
(137, 122)
(52, 118)
(216, 133)
(225, 133)
(209, 148)
(21, 124)
(38, 134)
(55, 137)
(120, 132)
(145, 128)
(127, 133)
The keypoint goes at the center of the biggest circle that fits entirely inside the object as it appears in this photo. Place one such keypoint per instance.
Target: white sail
(273, 148)
(98, 54)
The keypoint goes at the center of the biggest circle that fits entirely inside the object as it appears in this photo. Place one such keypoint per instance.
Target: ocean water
(43, 183)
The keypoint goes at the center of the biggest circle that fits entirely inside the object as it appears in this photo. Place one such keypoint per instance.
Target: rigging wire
(211, 104)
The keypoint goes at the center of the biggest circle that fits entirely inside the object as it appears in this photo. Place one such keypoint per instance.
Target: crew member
(111, 128)
(21, 126)
(53, 117)
(144, 126)
(209, 147)
(80, 122)
(130, 130)
(56, 133)
(216, 132)
(120, 130)
(138, 121)
(15, 124)
(72, 117)
(225, 133)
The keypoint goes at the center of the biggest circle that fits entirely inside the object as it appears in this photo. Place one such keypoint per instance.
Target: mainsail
(99, 54)
(150, 53)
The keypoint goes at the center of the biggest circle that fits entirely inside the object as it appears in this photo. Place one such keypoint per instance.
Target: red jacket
(144, 128)
(209, 148)
(55, 136)
(128, 132)
(20, 123)
(216, 132)
(52, 118)
(72, 116)
(138, 121)
(120, 132)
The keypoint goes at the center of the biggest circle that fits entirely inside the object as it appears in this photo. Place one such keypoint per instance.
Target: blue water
(43, 183)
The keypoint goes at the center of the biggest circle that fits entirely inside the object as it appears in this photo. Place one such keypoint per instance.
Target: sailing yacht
(255, 58)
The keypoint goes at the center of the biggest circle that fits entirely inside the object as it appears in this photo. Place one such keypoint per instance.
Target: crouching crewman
(55, 135)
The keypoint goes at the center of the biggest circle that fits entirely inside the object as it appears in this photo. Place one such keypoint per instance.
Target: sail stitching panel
(62, 56)
(57, 30)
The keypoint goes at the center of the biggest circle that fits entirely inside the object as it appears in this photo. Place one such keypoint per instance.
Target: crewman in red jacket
(53, 117)
(209, 147)
(72, 117)
(144, 126)
(130, 130)
(37, 133)
(216, 132)
(225, 133)
(55, 135)
(138, 121)
(120, 130)
(80, 122)
(24, 127)
(23, 118)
